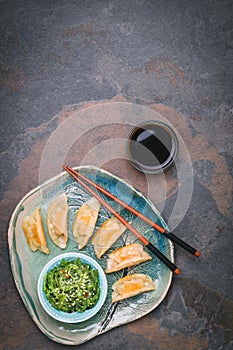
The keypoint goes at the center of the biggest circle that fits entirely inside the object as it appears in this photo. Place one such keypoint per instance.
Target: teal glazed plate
(27, 265)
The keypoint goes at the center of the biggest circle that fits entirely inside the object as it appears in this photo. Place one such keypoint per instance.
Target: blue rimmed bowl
(73, 317)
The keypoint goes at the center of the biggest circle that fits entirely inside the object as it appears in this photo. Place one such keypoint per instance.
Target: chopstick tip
(177, 271)
(197, 253)
(65, 166)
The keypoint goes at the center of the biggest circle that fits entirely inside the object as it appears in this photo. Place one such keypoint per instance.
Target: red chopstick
(147, 243)
(168, 234)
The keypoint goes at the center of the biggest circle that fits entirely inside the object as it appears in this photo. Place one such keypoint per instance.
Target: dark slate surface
(175, 55)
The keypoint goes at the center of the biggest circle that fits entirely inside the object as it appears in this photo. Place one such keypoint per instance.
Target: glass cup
(152, 147)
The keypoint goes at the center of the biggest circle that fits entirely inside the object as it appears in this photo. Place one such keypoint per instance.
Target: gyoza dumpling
(131, 285)
(106, 235)
(34, 232)
(129, 255)
(57, 220)
(85, 220)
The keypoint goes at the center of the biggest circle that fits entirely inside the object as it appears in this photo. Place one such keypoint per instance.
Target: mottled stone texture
(175, 57)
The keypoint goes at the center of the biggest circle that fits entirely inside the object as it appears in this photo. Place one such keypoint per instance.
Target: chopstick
(145, 241)
(168, 234)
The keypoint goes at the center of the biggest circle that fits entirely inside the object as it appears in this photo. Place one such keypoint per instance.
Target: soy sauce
(151, 146)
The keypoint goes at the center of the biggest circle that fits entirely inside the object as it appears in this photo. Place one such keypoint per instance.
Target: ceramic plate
(27, 265)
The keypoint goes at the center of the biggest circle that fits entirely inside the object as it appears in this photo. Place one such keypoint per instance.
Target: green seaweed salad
(72, 286)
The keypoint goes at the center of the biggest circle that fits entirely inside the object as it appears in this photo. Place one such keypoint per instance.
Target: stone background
(59, 57)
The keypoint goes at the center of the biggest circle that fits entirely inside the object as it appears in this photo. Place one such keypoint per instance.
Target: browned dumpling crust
(106, 235)
(131, 285)
(57, 220)
(129, 255)
(34, 232)
(85, 220)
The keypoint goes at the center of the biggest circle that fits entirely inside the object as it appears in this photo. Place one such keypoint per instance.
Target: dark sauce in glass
(150, 145)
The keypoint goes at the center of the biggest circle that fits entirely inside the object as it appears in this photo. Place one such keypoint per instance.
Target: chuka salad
(72, 286)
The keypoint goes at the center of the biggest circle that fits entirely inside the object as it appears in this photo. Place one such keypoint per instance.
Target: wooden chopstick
(168, 234)
(148, 244)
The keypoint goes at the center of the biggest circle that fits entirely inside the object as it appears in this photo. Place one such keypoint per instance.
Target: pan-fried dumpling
(106, 235)
(129, 255)
(34, 232)
(57, 220)
(85, 220)
(131, 285)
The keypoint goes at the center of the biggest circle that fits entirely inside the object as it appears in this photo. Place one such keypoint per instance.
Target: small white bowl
(73, 317)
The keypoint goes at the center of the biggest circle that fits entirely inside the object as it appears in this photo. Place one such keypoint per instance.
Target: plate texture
(27, 265)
